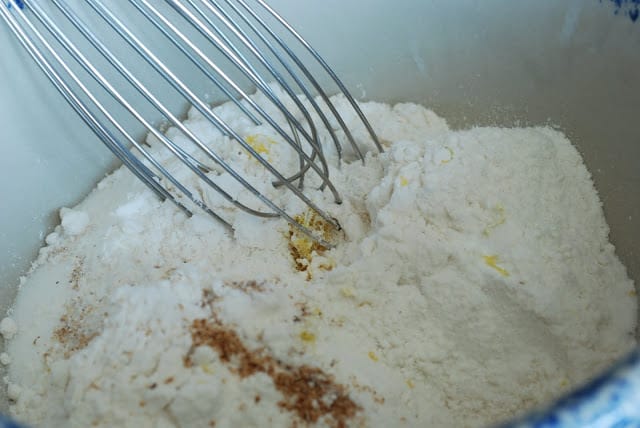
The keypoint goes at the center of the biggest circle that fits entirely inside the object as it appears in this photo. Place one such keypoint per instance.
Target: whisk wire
(176, 150)
(183, 88)
(229, 22)
(325, 66)
(247, 41)
(206, 111)
(244, 39)
(199, 63)
(307, 74)
(81, 59)
(233, 54)
(132, 162)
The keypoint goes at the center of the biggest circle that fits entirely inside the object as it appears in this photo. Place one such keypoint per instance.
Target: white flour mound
(474, 279)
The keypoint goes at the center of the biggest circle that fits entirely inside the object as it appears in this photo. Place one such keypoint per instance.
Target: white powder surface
(8, 328)
(473, 280)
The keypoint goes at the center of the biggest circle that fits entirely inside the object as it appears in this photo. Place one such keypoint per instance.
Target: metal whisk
(235, 44)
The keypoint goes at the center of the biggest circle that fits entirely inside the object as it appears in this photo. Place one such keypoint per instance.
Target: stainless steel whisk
(233, 43)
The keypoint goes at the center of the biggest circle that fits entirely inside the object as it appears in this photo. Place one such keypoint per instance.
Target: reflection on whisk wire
(256, 43)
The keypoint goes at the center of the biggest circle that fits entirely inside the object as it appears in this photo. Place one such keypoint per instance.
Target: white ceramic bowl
(570, 63)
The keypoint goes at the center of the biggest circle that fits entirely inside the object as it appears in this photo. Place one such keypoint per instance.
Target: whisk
(231, 43)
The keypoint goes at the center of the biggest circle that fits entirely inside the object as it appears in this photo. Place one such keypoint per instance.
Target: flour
(8, 328)
(474, 279)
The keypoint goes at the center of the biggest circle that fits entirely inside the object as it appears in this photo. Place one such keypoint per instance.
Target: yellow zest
(301, 246)
(492, 261)
(446, 161)
(329, 265)
(347, 292)
(633, 293)
(373, 356)
(259, 143)
(307, 336)
(501, 219)
(403, 181)
(207, 368)
(410, 384)
(338, 321)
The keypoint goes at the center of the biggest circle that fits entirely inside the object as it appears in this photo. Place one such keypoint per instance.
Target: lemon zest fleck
(328, 265)
(501, 219)
(347, 292)
(373, 356)
(307, 336)
(410, 384)
(302, 247)
(492, 261)
(259, 143)
(404, 181)
(446, 161)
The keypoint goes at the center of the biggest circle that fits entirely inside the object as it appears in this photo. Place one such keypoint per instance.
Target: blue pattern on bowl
(610, 400)
(7, 423)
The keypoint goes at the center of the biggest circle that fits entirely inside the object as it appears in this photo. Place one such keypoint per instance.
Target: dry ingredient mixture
(473, 279)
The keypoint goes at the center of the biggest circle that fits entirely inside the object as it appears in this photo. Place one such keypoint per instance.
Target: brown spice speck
(306, 389)
(168, 273)
(208, 298)
(73, 337)
(366, 388)
(76, 329)
(228, 345)
(302, 247)
(246, 286)
(309, 392)
(76, 273)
